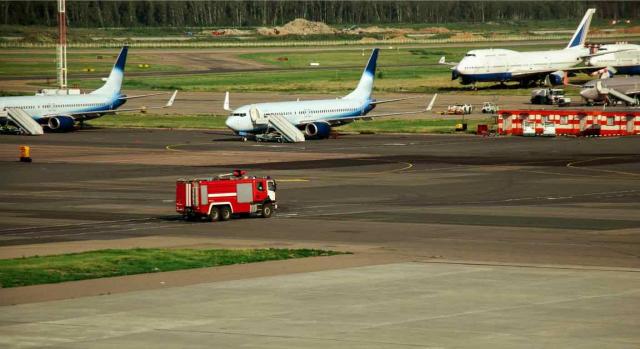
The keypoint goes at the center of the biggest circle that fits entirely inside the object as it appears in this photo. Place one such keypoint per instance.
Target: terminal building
(568, 122)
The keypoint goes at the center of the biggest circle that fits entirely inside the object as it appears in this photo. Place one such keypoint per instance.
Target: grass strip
(160, 121)
(117, 262)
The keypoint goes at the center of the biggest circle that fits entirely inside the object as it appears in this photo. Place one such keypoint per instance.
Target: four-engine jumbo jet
(315, 117)
(502, 65)
(623, 59)
(61, 112)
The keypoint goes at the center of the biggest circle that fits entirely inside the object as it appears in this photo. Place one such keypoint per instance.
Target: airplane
(502, 65)
(60, 112)
(614, 59)
(626, 89)
(314, 118)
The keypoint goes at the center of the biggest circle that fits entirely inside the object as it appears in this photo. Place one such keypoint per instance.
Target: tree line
(273, 12)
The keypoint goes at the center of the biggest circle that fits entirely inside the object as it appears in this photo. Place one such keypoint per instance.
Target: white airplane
(314, 118)
(61, 112)
(502, 65)
(616, 59)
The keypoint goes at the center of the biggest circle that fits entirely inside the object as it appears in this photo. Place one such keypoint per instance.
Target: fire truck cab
(220, 197)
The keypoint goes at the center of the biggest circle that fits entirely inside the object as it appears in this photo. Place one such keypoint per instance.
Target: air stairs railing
(288, 131)
(24, 121)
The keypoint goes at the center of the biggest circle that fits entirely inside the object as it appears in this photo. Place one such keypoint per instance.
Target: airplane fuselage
(626, 61)
(503, 65)
(297, 112)
(38, 106)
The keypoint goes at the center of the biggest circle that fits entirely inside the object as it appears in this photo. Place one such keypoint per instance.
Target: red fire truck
(220, 197)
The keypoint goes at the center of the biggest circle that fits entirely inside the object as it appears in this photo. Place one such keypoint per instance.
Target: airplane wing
(342, 120)
(142, 96)
(394, 100)
(100, 112)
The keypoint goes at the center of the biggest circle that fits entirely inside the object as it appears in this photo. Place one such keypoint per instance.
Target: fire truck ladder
(24, 121)
(617, 94)
(288, 131)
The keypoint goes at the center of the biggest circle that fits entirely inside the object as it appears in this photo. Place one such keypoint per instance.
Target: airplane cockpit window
(470, 55)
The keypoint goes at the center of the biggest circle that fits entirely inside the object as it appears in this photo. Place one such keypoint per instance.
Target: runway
(506, 199)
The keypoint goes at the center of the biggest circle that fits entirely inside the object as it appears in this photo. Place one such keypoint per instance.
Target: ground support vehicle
(550, 96)
(459, 109)
(489, 108)
(221, 197)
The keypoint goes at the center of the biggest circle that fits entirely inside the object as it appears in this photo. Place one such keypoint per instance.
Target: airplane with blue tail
(315, 118)
(60, 113)
(503, 65)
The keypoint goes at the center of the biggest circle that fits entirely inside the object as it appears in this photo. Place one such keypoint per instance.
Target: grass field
(100, 63)
(107, 263)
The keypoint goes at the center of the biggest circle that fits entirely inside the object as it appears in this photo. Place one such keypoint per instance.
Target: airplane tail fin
(114, 81)
(365, 86)
(580, 35)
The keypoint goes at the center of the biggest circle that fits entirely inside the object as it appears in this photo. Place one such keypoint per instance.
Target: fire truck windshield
(271, 185)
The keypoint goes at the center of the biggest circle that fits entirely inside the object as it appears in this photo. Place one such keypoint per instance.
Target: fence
(367, 42)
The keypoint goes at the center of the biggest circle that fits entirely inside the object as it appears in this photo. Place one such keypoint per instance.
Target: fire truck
(221, 197)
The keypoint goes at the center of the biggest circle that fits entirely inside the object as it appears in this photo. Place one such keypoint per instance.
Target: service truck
(221, 197)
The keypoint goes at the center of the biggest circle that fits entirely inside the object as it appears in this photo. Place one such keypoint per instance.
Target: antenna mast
(62, 45)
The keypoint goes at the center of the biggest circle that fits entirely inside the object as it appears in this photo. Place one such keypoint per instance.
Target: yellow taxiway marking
(574, 163)
(292, 180)
(407, 165)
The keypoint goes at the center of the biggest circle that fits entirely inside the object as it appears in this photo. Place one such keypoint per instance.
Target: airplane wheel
(244, 139)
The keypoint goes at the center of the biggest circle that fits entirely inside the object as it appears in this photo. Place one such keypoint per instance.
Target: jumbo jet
(60, 112)
(617, 59)
(502, 65)
(314, 118)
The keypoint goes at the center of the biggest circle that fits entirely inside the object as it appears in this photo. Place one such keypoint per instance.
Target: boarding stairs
(24, 121)
(288, 131)
(617, 94)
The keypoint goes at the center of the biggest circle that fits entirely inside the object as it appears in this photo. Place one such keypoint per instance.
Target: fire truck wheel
(214, 215)
(267, 210)
(225, 213)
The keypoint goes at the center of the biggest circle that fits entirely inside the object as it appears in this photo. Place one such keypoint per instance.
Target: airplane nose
(589, 93)
(232, 123)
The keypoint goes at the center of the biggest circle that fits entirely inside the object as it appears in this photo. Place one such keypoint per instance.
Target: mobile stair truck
(220, 197)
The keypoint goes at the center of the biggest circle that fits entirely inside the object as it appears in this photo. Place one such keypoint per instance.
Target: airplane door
(630, 124)
(254, 113)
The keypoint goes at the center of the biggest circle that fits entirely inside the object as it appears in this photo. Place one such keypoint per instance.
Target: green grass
(413, 125)
(160, 121)
(34, 64)
(115, 262)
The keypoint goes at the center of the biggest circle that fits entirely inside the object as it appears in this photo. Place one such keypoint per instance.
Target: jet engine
(556, 78)
(317, 130)
(61, 124)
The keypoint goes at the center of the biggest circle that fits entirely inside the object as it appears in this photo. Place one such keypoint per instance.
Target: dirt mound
(466, 36)
(435, 30)
(298, 26)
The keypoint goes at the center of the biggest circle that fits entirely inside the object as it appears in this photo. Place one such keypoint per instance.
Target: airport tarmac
(561, 213)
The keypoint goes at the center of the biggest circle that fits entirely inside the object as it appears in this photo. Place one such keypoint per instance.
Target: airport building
(568, 122)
